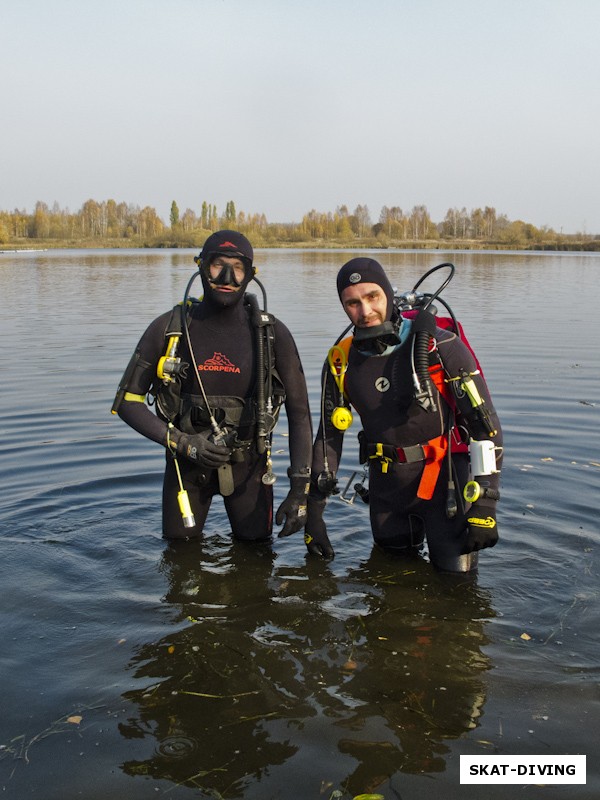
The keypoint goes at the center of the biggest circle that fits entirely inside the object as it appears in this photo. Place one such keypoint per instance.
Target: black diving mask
(229, 276)
(235, 276)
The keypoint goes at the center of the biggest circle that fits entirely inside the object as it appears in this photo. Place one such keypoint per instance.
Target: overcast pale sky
(286, 106)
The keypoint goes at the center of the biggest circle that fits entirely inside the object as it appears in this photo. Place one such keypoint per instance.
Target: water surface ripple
(131, 667)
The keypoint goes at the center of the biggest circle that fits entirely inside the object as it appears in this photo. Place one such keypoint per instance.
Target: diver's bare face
(365, 304)
(225, 272)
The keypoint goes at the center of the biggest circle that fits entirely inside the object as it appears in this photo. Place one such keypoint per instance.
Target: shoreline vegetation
(112, 225)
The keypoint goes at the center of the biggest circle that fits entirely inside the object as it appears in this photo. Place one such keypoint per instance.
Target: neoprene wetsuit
(380, 388)
(223, 344)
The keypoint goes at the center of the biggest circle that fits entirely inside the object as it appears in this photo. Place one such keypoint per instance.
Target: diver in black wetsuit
(417, 488)
(219, 374)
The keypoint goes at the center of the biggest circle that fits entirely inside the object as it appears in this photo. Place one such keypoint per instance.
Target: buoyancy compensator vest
(252, 418)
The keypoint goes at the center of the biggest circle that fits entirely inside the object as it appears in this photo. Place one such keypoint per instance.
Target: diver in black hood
(431, 437)
(219, 370)
(226, 268)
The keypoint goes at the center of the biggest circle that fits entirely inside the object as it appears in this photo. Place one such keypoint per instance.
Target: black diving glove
(200, 449)
(482, 528)
(315, 536)
(293, 507)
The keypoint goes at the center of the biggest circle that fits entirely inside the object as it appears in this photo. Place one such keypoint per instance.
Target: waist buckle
(411, 454)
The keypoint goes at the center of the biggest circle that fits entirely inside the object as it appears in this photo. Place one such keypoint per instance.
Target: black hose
(261, 410)
(421, 357)
(186, 329)
(268, 359)
(434, 296)
(264, 292)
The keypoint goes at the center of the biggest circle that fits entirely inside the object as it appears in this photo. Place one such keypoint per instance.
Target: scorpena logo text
(218, 363)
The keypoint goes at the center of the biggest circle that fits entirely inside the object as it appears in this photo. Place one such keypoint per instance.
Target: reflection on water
(372, 666)
(215, 670)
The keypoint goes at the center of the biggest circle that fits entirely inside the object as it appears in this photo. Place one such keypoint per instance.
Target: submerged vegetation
(111, 224)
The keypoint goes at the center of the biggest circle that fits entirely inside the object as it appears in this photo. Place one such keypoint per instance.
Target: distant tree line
(111, 224)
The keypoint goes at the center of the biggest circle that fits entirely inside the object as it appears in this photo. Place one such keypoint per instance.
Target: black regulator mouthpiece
(174, 368)
(377, 338)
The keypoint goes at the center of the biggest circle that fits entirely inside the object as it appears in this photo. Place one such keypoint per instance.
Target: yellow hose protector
(341, 417)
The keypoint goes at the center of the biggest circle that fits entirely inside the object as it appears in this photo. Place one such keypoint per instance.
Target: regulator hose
(424, 391)
(424, 327)
(261, 413)
(260, 360)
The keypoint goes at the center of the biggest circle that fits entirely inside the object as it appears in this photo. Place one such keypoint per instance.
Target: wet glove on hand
(315, 536)
(200, 449)
(293, 507)
(482, 528)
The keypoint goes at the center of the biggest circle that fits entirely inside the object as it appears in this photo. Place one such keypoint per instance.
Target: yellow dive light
(187, 515)
(186, 509)
(341, 418)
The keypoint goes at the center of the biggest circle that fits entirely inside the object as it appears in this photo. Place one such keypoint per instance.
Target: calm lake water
(134, 669)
